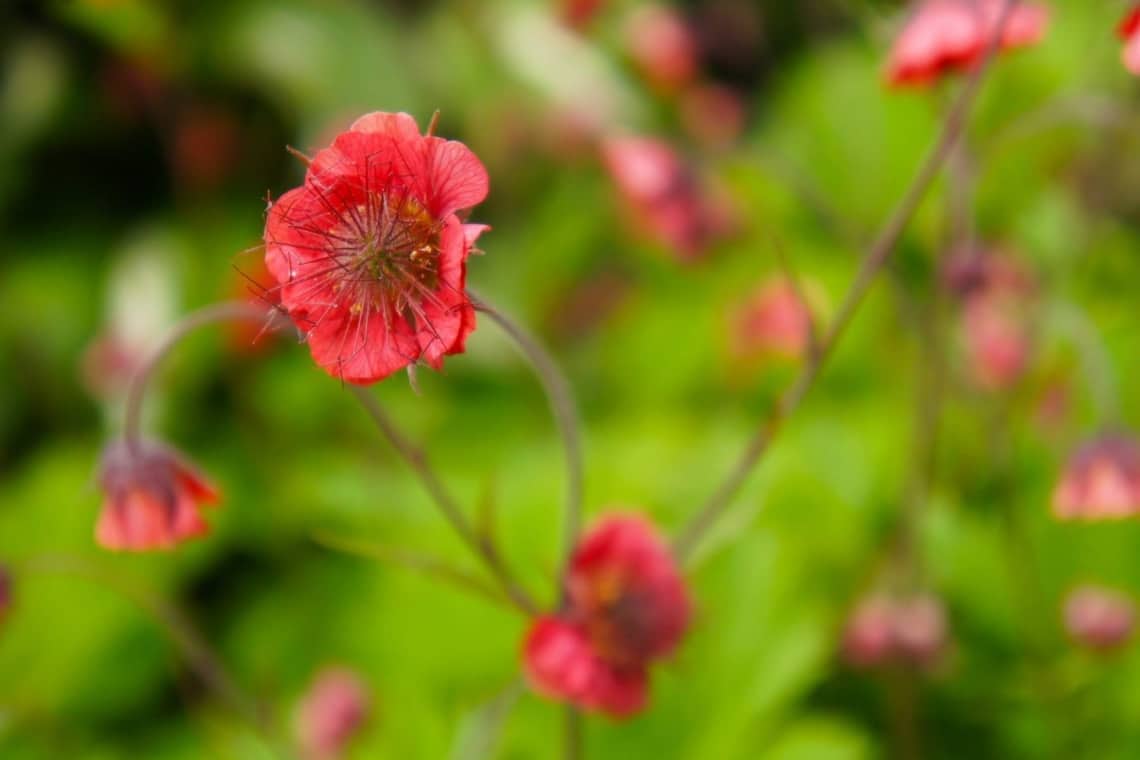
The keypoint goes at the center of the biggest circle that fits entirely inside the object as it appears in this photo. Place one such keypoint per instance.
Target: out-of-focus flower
(331, 713)
(712, 114)
(1129, 31)
(627, 608)
(1101, 480)
(946, 36)
(774, 321)
(204, 146)
(578, 14)
(664, 194)
(662, 46)
(153, 498)
(369, 253)
(883, 629)
(1099, 618)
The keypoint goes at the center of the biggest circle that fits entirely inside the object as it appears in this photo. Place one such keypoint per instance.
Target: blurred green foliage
(95, 170)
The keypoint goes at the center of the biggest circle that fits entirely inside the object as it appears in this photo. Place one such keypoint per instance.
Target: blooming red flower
(331, 713)
(1101, 480)
(369, 253)
(664, 194)
(152, 498)
(773, 321)
(904, 629)
(1099, 618)
(662, 46)
(627, 608)
(944, 36)
(1129, 31)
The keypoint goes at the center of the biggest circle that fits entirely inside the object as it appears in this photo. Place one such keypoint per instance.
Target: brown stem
(417, 459)
(140, 380)
(874, 261)
(565, 413)
(573, 736)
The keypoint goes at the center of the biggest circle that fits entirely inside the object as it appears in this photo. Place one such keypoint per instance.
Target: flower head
(1099, 618)
(662, 46)
(774, 321)
(1101, 480)
(663, 192)
(945, 36)
(1129, 31)
(369, 253)
(627, 608)
(331, 713)
(883, 629)
(152, 498)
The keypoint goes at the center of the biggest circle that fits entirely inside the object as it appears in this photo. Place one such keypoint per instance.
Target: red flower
(1099, 618)
(773, 321)
(627, 608)
(665, 195)
(331, 713)
(153, 498)
(1129, 31)
(944, 36)
(369, 253)
(1101, 481)
(904, 629)
(662, 47)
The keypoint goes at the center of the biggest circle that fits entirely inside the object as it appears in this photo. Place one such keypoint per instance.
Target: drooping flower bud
(895, 629)
(1101, 480)
(331, 713)
(1099, 618)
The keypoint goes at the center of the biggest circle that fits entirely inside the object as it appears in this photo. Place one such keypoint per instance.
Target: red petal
(398, 125)
(360, 347)
(446, 315)
(455, 178)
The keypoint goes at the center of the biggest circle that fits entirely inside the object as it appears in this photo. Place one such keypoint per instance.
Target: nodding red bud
(1129, 31)
(885, 629)
(370, 255)
(627, 608)
(1101, 480)
(773, 321)
(662, 46)
(947, 36)
(153, 497)
(1099, 618)
(331, 713)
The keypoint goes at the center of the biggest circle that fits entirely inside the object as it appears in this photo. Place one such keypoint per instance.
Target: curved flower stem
(415, 457)
(565, 413)
(573, 737)
(140, 380)
(196, 651)
(1095, 359)
(873, 262)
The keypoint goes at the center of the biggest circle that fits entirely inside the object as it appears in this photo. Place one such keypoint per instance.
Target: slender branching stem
(873, 262)
(484, 549)
(565, 412)
(140, 381)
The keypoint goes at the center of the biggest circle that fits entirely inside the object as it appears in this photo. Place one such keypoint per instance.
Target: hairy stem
(415, 457)
(565, 413)
(140, 380)
(873, 262)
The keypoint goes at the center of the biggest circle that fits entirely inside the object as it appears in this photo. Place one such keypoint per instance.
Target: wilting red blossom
(369, 252)
(946, 36)
(153, 498)
(774, 321)
(331, 713)
(664, 194)
(1129, 31)
(662, 46)
(1101, 480)
(888, 629)
(713, 114)
(627, 608)
(1099, 618)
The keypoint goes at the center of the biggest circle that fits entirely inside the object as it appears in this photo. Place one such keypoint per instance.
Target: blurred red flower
(946, 36)
(578, 14)
(331, 713)
(662, 46)
(1101, 480)
(1099, 618)
(369, 253)
(902, 629)
(153, 498)
(774, 321)
(627, 607)
(1129, 31)
(664, 194)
